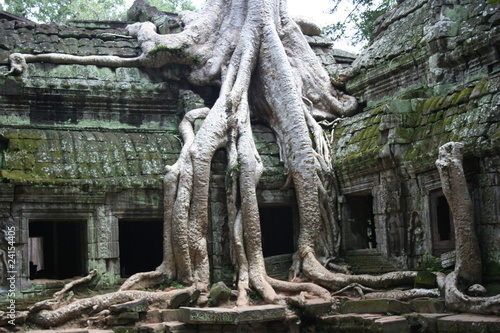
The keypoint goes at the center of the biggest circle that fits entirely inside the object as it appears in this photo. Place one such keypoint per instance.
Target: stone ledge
(376, 306)
(468, 323)
(261, 313)
(428, 305)
(365, 323)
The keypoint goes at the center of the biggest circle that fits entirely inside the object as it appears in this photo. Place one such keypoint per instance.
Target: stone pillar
(104, 247)
(389, 223)
(218, 238)
(488, 221)
(21, 223)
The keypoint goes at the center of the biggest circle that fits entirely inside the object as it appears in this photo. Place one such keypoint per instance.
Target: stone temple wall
(431, 76)
(88, 146)
(84, 145)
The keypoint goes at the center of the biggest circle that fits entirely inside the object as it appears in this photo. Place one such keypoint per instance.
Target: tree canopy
(62, 11)
(361, 19)
(173, 6)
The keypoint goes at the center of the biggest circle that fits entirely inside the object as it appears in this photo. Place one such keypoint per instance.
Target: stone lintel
(250, 314)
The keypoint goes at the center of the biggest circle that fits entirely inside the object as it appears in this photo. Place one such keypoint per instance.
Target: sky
(317, 10)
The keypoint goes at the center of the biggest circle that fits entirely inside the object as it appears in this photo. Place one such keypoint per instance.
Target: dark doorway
(277, 224)
(359, 226)
(141, 246)
(443, 232)
(4, 144)
(56, 249)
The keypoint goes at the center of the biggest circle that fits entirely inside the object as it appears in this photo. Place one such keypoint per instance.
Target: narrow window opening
(277, 224)
(56, 249)
(141, 246)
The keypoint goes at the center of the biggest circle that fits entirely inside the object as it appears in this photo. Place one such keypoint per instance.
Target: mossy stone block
(14, 143)
(220, 293)
(180, 299)
(401, 106)
(19, 161)
(375, 306)
(126, 74)
(425, 279)
(124, 329)
(113, 321)
(403, 135)
(428, 305)
(11, 86)
(462, 96)
(29, 145)
(170, 315)
(480, 89)
(152, 328)
(132, 316)
(106, 74)
(140, 305)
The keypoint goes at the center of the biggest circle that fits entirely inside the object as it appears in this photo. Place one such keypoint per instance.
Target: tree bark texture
(468, 256)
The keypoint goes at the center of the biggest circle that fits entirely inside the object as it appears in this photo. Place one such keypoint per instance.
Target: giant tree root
(67, 287)
(334, 281)
(143, 280)
(404, 295)
(468, 257)
(61, 313)
(457, 300)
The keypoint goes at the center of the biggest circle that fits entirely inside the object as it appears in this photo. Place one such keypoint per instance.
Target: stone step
(368, 261)
(388, 306)
(352, 322)
(364, 323)
(312, 308)
(382, 306)
(453, 323)
(165, 327)
(468, 323)
(233, 316)
(278, 266)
